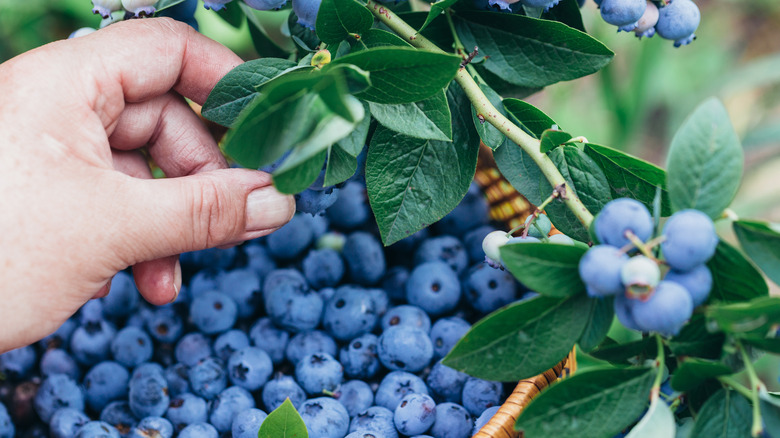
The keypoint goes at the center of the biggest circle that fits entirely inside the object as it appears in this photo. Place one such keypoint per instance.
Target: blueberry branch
(660, 360)
(755, 387)
(483, 106)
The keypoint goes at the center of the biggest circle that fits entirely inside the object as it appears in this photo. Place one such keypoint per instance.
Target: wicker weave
(511, 208)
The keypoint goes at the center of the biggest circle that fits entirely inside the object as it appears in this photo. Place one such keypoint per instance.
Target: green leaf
(437, 9)
(695, 340)
(490, 135)
(725, 415)
(521, 171)
(693, 372)
(549, 269)
(232, 14)
(283, 422)
(761, 241)
(296, 174)
(532, 119)
(530, 52)
(752, 317)
(400, 74)
(165, 4)
(337, 20)
(411, 182)
(657, 422)
(340, 166)
(599, 322)
(771, 345)
(733, 277)
(379, 38)
(426, 119)
(630, 177)
(621, 353)
(599, 402)
(568, 13)
(552, 138)
(705, 161)
(237, 88)
(303, 37)
(770, 413)
(583, 177)
(263, 44)
(513, 343)
(354, 143)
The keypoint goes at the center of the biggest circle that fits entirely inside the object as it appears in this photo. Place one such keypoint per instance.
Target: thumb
(219, 207)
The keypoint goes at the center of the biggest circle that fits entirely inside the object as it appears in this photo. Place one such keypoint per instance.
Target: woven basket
(511, 208)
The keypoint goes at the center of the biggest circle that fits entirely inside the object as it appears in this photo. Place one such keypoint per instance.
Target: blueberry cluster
(318, 312)
(138, 8)
(535, 230)
(644, 301)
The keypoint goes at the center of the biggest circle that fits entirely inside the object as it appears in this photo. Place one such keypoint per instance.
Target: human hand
(78, 204)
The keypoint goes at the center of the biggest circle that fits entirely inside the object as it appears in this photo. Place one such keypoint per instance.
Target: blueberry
(395, 386)
(487, 289)
(645, 27)
(17, 364)
(471, 212)
(178, 379)
(331, 240)
(472, 241)
(289, 301)
(541, 226)
(666, 311)
(313, 202)
(64, 423)
(91, 343)
(215, 5)
(624, 311)
(349, 313)
(623, 13)
(364, 435)
(97, 429)
(104, 383)
(484, 417)
(324, 418)
(249, 368)
(407, 315)
(243, 286)
(447, 249)
(452, 421)
(61, 337)
(491, 246)
(205, 280)
(265, 5)
(678, 21)
(600, 268)
(104, 8)
(479, 395)
(213, 312)
(434, 287)
(213, 258)
(364, 258)
(192, 348)
(690, 239)
(148, 396)
(305, 343)
(156, 427)
(561, 239)
(131, 347)
(247, 423)
(290, 241)
(623, 214)
(521, 239)
(697, 281)
(7, 429)
(119, 415)
(208, 378)
(446, 332)
(319, 372)
(380, 300)
(323, 268)
(165, 325)
(445, 383)
(57, 391)
(227, 405)
(280, 388)
(640, 271)
(375, 419)
(199, 430)
(184, 12)
(351, 209)
(140, 8)
(398, 253)
(415, 414)
(185, 409)
(539, 4)
(147, 369)
(405, 348)
(270, 338)
(355, 395)
(229, 342)
(122, 298)
(359, 357)
(259, 259)
(91, 312)
(394, 282)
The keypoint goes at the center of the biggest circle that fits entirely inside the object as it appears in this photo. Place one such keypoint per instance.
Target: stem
(755, 387)
(460, 49)
(735, 385)
(529, 144)
(660, 360)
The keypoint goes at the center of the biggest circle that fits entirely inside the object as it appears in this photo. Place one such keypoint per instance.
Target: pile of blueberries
(318, 312)
(675, 20)
(643, 301)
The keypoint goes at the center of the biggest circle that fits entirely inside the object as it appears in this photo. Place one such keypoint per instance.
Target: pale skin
(77, 204)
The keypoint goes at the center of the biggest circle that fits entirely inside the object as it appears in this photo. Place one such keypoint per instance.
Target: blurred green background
(635, 104)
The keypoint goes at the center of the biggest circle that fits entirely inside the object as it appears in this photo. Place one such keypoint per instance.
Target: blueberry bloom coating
(697, 281)
(156, 427)
(186, 409)
(600, 269)
(208, 378)
(165, 325)
(434, 287)
(407, 315)
(213, 312)
(447, 249)
(487, 289)
(104, 383)
(97, 429)
(215, 5)
(199, 430)
(351, 209)
(289, 301)
(119, 415)
(666, 311)
(122, 298)
(678, 21)
(306, 343)
(319, 372)
(265, 5)
(395, 386)
(57, 391)
(192, 348)
(131, 347)
(324, 418)
(148, 396)
(623, 13)
(405, 348)
(249, 368)
(91, 343)
(415, 414)
(365, 258)
(360, 358)
(243, 286)
(17, 364)
(445, 383)
(280, 388)
(64, 423)
(323, 268)
(355, 395)
(229, 342)
(290, 241)
(690, 239)
(446, 333)
(452, 421)
(479, 395)
(227, 405)
(349, 313)
(270, 338)
(375, 419)
(623, 214)
(247, 423)
(484, 417)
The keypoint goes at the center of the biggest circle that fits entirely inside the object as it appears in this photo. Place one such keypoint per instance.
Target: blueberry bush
(376, 111)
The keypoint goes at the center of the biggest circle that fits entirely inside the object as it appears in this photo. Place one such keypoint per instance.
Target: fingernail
(176, 280)
(266, 208)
